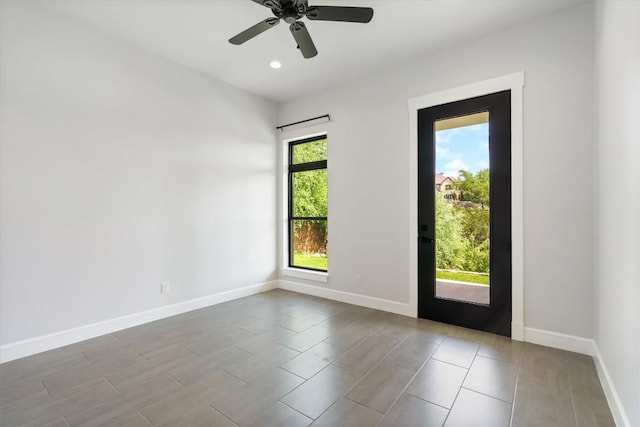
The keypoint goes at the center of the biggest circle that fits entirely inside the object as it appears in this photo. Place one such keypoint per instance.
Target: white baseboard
(349, 298)
(617, 410)
(559, 341)
(42, 343)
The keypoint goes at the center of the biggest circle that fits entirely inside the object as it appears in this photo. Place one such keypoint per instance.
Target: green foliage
(448, 233)
(310, 193)
(310, 187)
(461, 276)
(462, 231)
(474, 188)
(310, 261)
(310, 200)
(475, 224)
(310, 151)
(474, 258)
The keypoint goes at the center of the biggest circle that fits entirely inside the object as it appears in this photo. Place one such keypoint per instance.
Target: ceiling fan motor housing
(289, 11)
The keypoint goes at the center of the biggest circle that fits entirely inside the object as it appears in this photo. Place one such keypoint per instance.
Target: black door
(464, 213)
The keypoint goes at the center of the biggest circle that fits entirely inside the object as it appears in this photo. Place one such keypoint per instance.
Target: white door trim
(514, 82)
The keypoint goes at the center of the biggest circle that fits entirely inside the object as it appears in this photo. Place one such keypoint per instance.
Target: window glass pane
(310, 193)
(462, 208)
(310, 151)
(309, 241)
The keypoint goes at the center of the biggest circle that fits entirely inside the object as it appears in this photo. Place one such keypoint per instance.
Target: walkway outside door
(464, 213)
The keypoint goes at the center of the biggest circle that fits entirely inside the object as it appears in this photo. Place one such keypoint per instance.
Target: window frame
(291, 170)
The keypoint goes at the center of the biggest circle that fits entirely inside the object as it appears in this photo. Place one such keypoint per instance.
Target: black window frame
(301, 167)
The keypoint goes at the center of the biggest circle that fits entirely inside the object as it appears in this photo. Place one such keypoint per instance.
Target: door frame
(515, 83)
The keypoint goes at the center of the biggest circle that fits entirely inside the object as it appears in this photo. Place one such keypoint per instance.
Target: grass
(310, 261)
(321, 263)
(463, 276)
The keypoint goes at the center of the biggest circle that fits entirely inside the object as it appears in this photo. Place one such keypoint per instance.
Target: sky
(462, 148)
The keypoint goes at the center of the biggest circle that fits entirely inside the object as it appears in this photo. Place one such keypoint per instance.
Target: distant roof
(440, 178)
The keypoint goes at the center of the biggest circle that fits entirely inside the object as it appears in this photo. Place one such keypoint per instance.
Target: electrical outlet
(358, 280)
(164, 288)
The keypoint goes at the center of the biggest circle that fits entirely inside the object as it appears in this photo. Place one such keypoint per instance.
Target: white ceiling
(195, 33)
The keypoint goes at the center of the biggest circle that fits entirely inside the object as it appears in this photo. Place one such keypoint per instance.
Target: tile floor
(281, 358)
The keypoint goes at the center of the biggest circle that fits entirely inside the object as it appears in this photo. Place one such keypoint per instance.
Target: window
(308, 204)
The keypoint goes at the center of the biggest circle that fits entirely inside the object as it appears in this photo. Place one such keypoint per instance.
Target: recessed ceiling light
(275, 64)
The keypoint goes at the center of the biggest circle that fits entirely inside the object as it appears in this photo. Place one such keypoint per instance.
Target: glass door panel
(462, 208)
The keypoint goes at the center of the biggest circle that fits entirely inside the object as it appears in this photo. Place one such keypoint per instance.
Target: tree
(475, 224)
(310, 199)
(448, 234)
(474, 258)
(474, 188)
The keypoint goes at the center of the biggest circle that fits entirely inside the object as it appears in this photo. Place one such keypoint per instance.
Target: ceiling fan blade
(251, 32)
(340, 13)
(302, 37)
(271, 4)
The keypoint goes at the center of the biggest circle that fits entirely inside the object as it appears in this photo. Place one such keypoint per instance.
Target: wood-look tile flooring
(285, 359)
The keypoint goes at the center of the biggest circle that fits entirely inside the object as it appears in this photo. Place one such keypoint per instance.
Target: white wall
(617, 115)
(369, 159)
(120, 170)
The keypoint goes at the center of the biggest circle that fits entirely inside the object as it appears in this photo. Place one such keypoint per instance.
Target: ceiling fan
(291, 11)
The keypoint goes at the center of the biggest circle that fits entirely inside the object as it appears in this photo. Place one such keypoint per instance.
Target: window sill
(316, 276)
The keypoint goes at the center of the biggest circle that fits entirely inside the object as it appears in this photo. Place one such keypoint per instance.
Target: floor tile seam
(451, 364)
(178, 381)
(485, 394)
(348, 349)
(297, 375)
(378, 363)
(64, 417)
(144, 418)
(486, 356)
(515, 391)
(45, 388)
(295, 349)
(234, 376)
(497, 360)
(108, 381)
(302, 383)
(406, 387)
(304, 380)
(573, 403)
(85, 357)
(223, 414)
(31, 362)
(461, 387)
(299, 332)
(428, 401)
(299, 412)
(344, 396)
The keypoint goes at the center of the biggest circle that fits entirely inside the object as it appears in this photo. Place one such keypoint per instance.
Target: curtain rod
(280, 128)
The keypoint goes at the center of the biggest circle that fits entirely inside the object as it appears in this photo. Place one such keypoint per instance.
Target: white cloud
(442, 139)
(456, 165)
(483, 164)
(442, 151)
